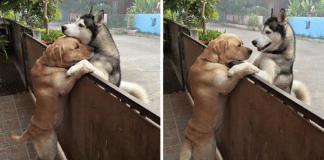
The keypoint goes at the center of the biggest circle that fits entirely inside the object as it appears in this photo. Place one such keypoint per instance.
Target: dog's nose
(254, 42)
(63, 28)
(250, 51)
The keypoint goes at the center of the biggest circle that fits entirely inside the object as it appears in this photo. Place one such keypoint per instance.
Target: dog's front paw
(82, 68)
(251, 69)
(242, 70)
(233, 70)
(71, 70)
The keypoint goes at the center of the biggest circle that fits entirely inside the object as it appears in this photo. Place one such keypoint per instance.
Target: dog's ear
(272, 15)
(99, 18)
(215, 49)
(90, 12)
(220, 46)
(56, 54)
(282, 16)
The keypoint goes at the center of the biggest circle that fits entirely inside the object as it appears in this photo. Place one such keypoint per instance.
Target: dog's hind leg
(23, 138)
(206, 150)
(46, 146)
(186, 150)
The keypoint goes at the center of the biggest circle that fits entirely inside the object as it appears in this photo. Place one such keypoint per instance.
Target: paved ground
(15, 113)
(140, 62)
(308, 67)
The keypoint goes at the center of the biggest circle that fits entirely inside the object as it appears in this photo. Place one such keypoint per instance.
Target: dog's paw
(251, 69)
(81, 67)
(242, 70)
(233, 70)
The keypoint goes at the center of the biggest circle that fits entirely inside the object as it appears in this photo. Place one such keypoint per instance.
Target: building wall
(145, 23)
(308, 26)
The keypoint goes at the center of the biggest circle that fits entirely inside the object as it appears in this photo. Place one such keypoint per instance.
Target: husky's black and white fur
(90, 30)
(277, 45)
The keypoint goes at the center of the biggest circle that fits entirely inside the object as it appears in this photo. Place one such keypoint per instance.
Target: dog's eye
(240, 45)
(77, 46)
(80, 25)
(268, 32)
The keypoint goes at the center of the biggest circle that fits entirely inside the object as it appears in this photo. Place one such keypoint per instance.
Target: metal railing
(174, 45)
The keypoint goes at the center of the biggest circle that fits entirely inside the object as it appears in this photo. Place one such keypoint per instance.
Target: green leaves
(253, 21)
(3, 42)
(52, 33)
(299, 9)
(209, 33)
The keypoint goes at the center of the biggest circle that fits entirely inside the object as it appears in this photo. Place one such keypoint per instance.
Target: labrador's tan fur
(210, 83)
(51, 86)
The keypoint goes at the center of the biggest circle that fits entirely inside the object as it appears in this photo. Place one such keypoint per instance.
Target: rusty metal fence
(174, 45)
(103, 121)
(261, 121)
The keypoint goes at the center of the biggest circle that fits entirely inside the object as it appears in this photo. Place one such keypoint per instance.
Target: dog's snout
(254, 42)
(63, 28)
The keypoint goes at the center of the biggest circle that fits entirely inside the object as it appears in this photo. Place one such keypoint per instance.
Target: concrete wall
(308, 26)
(145, 23)
(241, 19)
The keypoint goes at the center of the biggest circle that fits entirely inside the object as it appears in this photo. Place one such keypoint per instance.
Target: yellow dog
(52, 82)
(210, 82)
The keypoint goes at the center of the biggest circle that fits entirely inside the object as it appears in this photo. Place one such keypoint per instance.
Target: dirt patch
(10, 80)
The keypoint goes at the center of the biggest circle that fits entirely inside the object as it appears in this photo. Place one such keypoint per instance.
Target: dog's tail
(301, 92)
(186, 150)
(26, 136)
(135, 90)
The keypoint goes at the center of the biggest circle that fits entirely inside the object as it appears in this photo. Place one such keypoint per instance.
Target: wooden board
(100, 126)
(258, 126)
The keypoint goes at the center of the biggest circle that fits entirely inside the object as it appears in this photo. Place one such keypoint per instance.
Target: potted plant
(131, 11)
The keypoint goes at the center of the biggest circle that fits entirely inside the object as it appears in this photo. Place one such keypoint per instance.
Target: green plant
(167, 14)
(52, 33)
(3, 42)
(146, 6)
(320, 8)
(297, 8)
(9, 14)
(253, 21)
(209, 33)
(131, 11)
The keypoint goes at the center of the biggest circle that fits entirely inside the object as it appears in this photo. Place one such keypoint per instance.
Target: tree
(200, 11)
(83, 6)
(32, 8)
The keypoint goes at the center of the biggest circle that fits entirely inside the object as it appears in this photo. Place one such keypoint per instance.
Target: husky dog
(90, 30)
(277, 45)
